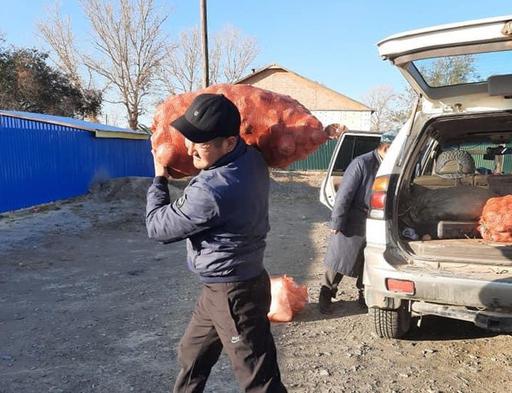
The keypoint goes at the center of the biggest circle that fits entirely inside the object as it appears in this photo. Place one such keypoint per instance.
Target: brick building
(327, 105)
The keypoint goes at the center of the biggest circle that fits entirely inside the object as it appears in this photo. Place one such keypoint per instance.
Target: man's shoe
(324, 300)
(361, 301)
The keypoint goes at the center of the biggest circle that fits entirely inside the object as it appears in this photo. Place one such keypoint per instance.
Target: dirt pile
(131, 189)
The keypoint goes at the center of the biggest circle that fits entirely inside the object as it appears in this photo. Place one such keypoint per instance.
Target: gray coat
(345, 250)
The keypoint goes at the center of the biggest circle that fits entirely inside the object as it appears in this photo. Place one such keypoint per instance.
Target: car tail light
(378, 198)
(401, 286)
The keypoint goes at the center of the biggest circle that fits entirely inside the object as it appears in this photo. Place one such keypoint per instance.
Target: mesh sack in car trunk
(279, 126)
(496, 220)
(425, 207)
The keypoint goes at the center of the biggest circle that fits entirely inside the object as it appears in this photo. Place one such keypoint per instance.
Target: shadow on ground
(339, 309)
(433, 328)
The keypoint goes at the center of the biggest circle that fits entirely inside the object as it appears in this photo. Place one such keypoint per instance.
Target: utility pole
(204, 39)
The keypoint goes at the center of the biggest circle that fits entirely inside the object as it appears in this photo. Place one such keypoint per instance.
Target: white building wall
(354, 120)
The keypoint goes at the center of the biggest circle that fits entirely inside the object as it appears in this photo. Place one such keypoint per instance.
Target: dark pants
(233, 317)
(332, 279)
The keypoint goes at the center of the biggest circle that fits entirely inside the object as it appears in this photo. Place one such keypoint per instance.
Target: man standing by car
(223, 214)
(345, 252)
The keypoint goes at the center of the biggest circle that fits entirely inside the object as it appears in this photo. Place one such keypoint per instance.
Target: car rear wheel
(392, 323)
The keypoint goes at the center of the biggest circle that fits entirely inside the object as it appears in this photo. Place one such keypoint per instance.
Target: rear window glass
(464, 69)
(352, 147)
(489, 158)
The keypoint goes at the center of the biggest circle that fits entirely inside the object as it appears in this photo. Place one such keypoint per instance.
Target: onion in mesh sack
(279, 126)
(496, 220)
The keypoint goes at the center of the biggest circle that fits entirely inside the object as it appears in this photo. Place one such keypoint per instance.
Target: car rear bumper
(494, 321)
(432, 285)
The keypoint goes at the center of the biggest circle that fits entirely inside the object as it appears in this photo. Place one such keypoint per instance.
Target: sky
(328, 41)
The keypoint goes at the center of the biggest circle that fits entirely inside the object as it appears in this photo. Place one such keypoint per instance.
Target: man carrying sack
(223, 214)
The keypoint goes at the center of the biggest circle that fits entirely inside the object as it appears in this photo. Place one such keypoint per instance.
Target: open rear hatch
(463, 74)
(481, 51)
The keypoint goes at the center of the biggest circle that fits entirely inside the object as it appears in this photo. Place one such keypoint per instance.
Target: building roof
(256, 74)
(101, 130)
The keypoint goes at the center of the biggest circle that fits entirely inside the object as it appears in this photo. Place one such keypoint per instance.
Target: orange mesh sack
(279, 126)
(496, 220)
(288, 298)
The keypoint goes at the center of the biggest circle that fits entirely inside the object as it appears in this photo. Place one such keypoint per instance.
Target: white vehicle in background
(424, 253)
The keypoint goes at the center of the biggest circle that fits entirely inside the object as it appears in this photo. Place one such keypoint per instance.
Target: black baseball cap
(208, 117)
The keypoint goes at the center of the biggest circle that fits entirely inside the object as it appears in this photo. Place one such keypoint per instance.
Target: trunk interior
(457, 166)
(464, 250)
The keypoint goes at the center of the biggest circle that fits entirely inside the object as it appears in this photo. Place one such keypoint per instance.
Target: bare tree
(180, 70)
(56, 31)
(130, 46)
(382, 100)
(231, 54)
(450, 70)
(393, 109)
(215, 64)
(403, 106)
(237, 52)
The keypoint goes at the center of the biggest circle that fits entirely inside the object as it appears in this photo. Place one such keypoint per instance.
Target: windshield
(463, 69)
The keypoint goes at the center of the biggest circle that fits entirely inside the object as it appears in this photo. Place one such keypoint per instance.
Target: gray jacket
(223, 214)
(344, 251)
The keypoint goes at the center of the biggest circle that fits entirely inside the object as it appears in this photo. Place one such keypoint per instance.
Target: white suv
(424, 253)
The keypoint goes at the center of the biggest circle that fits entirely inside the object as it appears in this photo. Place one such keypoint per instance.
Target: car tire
(392, 323)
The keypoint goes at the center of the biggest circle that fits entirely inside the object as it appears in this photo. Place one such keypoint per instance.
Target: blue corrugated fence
(43, 162)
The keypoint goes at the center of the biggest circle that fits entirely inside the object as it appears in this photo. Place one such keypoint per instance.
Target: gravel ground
(89, 304)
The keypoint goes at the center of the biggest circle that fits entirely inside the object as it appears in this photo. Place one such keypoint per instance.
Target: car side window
(353, 146)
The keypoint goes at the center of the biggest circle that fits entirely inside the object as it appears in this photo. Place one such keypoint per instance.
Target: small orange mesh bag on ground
(279, 126)
(496, 220)
(288, 298)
